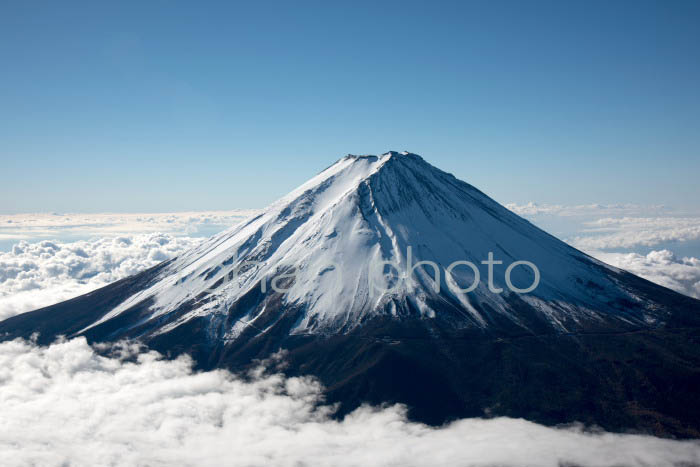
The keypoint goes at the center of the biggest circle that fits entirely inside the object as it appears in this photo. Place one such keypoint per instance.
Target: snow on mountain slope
(334, 233)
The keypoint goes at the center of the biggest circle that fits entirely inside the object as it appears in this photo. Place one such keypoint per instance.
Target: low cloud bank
(33, 275)
(582, 210)
(66, 405)
(593, 227)
(34, 227)
(630, 232)
(662, 267)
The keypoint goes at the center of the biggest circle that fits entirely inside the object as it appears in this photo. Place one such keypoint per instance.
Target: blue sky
(169, 106)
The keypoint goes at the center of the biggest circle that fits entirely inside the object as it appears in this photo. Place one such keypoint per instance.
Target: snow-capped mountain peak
(343, 248)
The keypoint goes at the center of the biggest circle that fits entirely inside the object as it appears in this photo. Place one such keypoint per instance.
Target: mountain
(393, 281)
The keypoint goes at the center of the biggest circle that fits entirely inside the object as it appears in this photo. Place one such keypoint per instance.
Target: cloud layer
(34, 227)
(629, 232)
(66, 405)
(593, 227)
(662, 267)
(33, 275)
(583, 210)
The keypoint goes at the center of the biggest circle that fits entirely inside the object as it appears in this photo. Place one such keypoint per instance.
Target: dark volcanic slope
(591, 343)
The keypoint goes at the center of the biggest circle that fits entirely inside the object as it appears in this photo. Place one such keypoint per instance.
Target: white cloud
(61, 256)
(662, 267)
(49, 226)
(532, 209)
(593, 227)
(629, 232)
(33, 275)
(66, 405)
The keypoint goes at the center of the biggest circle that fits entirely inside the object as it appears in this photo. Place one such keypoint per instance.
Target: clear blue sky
(167, 106)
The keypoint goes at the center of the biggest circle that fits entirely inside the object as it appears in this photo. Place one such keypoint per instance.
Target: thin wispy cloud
(56, 225)
(136, 408)
(584, 210)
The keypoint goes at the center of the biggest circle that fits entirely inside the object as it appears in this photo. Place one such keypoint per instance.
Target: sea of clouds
(34, 275)
(48, 258)
(48, 225)
(599, 227)
(662, 267)
(67, 405)
(640, 239)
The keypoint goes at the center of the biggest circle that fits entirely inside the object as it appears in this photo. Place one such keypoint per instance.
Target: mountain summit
(393, 281)
(327, 239)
